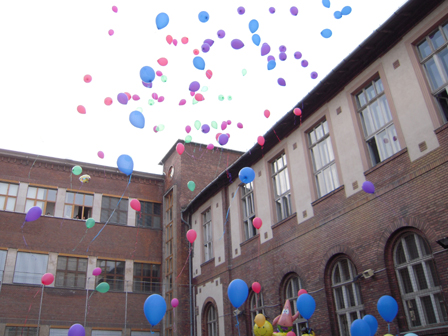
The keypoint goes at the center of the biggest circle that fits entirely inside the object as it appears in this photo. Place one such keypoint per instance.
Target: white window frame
(21, 331)
(256, 305)
(291, 291)
(279, 170)
(73, 206)
(30, 268)
(58, 332)
(3, 255)
(34, 197)
(324, 164)
(144, 333)
(107, 333)
(248, 205)
(208, 234)
(345, 286)
(8, 197)
(212, 321)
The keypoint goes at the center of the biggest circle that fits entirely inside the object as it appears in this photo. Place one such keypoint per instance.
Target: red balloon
(47, 279)
(128, 94)
(209, 74)
(257, 222)
(199, 97)
(180, 148)
(81, 109)
(108, 101)
(169, 39)
(260, 141)
(175, 42)
(87, 78)
(302, 291)
(217, 136)
(196, 52)
(297, 111)
(191, 235)
(184, 40)
(267, 113)
(256, 287)
(135, 204)
(162, 61)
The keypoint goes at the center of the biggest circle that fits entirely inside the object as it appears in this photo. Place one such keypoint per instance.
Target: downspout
(189, 274)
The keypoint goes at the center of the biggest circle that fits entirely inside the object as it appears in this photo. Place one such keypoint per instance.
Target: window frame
(105, 276)
(39, 275)
(254, 307)
(21, 331)
(7, 196)
(2, 267)
(290, 293)
(82, 207)
(142, 214)
(248, 199)
(207, 229)
(155, 286)
(285, 210)
(66, 272)
(45, 201)
(112, 210)
(211, 321)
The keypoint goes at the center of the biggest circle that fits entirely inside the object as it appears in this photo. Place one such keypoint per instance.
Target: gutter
(189, 273)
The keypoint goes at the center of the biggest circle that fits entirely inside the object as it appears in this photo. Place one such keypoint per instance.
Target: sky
(49, 46)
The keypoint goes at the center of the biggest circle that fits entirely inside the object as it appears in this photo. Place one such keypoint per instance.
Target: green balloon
(229, 97)
(157, 128)
(90, 223)
(191, 185)
(204, 89)
(188, 139)
(197, 124)
(103, 287)
(221, 97)
(76, 170)
(151, 102)
(194, 101)
(139, 109)
(160, 127)
(214, 124)
(244, 72)
(163, 78)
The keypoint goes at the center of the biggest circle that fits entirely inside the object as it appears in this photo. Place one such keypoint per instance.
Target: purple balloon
(294, 11)
(304, 63)
(76, 330)
(205, 48)
(297, 55)
(368, 187)
(314, 75)
(272, 10)
(271, 58)
(265, 49)
(221, 33)
(34, 213)
(194, 86)
(282, 48)
(209, 42)
(122, 98)
(237, 44)
(205, 128)
(281, 82)
(148, 85)
(223, 139)
(241, 10)
(282, 56)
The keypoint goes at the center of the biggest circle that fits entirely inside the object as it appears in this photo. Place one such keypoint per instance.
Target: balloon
(306, 305)
(281, 82)
(115, 9)
(210, 146)
(136, 97)
(162, 20)
(184, 40)
(291, 333)
(265, 49)
(205, 128)
(191, 185)
(372, 322)
(204, 89)
(139, 109)
(209, 42)
(241, 10)
(411, 334)
(300, 292)
(221, 33)
(137, 119)
(188, 139)
(161, 99)
(174, 303)
(194, 86)
(326, 3)
(214, 124)
(297, 111)
(337, 15)
(272, 10)
(253, 26)
(256, 287)
(237, 44)
(147, 74)
(271, 65)
(205, 48)
(96, 271)
(87, 78)
(169, 39)
(203, 16)
(294, 11)
(282, 48)
(76, 170)
(180, 148)
(108, 101)
(260, 141)
(155, 95)
(191, 235)
(368, 187)
(271, 58)
(135, 204)
(359, 328)
(175, 42)
(194, 101)
(229, 122)
(256, 39)
(103, 287)
(387, 307)
(223, 125)
(161, 127)
(188, 129)
(237, 292)
(260, 320)
(101, 155)
(199, 63)
(84, 178)
(229, 98)
(111, 32)
(76, 330)
(122, 98)
(199, 97)
(223, 139)
(163, 78)
(90, 223)
(217, 136)
(196, 52)
(326, 33)
(304, 63)
(209, 74)
(159, 73)
(125, 164)
(147, 85)
(162, 61)
(81, 109)
(151, 102)
(47, 279)
(246, 175)
(282, 56)
(182, 102)
(128, 95)
(314, 75)
(154, 308)
(346, 10)
(239, 125)
(257, 222)
(221, 97)
(155, 129)
(297, 55)
(244, 71)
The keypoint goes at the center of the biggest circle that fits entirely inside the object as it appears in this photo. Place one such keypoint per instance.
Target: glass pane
(441, 308)
(59, 279)
(384, 145)
(10, 204)
(400, 257)
(433, 73)
(424, 246)
(393, 138)
(62, 263)
(31, 192)
(2, 203)
(312, 137)
(79, 199)
(41, 193)
(3, 188)
(361, 99)
(323, 149)
(28, 205)
(334, 173)
(80, 280)
(72, 263)
(385, 109)
(68, 211)
(316, 156)
(13, 188)
(413, 313)
(370, 91)
(343, 324)
(405, 280)
(40, 205)
(420, 275)
(339, 296)
(424, 49)
(325, 126)
(329, 186)
(367, 121)
(443, 56)
(437, 39)
(428, 309)
(70, 280)
(411, 247)
(319, 132)
(51, 195)
(445, 30)
(379, 86)
(377, 115)
(345, 270)
(82, 265)
(431, 272)
(336, 275)
(351, 296)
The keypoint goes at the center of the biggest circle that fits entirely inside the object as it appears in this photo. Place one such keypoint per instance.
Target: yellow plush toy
(265, 330)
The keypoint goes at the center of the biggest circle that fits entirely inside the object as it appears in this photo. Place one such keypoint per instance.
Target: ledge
(331, 193)
(284, 220)
(249, 240)
(208, 262)
(441, 128)
(388, 160)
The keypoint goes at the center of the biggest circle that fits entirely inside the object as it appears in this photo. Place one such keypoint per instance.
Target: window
(248, 210)
(379, 130)
(144, 333)
(169, 269)
(149, 216)
(256, 305)
(110, 207)
(323, 159)
(212, 321)
(58, 332)
(281, 187)
(78, 205)
(2, 263)
(8, 195)
(107, 333)
(41, 197)
(147, 278)
(208, 237)
(418, 280)
(112, 272)
(293, 285)
(71, 272)
(30, 267)
(347, 297)
(20, 331)
(433, 54)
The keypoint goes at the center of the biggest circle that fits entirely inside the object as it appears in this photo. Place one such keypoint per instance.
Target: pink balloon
(199, 97)
(239, 125)
(302, 291)
(291, 333)
(162, 61)
(180, 148)
(217, 136)
(223, 125)
(155, 96)
(87, 78)
(111, 32)
(188, 129)
(101, 155)
(135, 204)
(108, 101)
(115, 9)
(256, 287)
(257, 222)
(210, 146)
(175, 42)
(136, 97)
(184, 40)
(196, 52)
(297, 111)
(229, 122)
(260, 141)
(174, 302)
(161, 99)
(209, 74)
(159, 73)
(192, 93)
(96, 271)
(129, 95)
(81, 109)
(47, 279)
(191, 235)
(182, 102)
(228, 135)
(169, 39)
(267, 113)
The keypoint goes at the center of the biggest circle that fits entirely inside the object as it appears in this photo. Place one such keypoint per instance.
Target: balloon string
(26, 318)
(227, 215)
(80, 240)
(29, 173)
(238, 324)
(191, 248)
(111, 213)
(277, 136)
(174, 319)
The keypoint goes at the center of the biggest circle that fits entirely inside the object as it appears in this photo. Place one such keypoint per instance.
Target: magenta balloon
(281, 82)
(210, 146)
(34, 213)
(155, 129)
(239, 125)
(294, 11)
(122, 98)
(136, 97)
(205, 48)
(223, 139)
(101, 155)
(209, 42)
(188, 129)
(304, 63)
(237, 44)
(182, 102)
(282, 49)
(297, 55)
(229, 122)
(194, 86)
(174, 302)
(161, 99)
(265, 49)
(223, 125)
(271, 58)
(272, 10)
(115, 9)
(155, 96)
(96, 271)
(221, 33)
(282, 56)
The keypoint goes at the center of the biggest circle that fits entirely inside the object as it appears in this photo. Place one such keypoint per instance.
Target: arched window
(293, 285)
(347, 297)
(256, 306)
(212, 321)
(419, 284)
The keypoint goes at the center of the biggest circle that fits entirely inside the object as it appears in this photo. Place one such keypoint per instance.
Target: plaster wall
(213, 289)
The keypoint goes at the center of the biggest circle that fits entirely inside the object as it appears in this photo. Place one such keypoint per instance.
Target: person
(77, 217)
(48, 214)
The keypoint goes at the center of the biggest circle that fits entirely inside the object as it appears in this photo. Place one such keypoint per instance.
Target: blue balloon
(256, 39)
(237, 292)
(154, 309)
(387, 307)
(137, 119)
(253, 26)
(199, 63)
(271, 64)
(326, 33)
(346, 10)
(125, 164)
(246, 175)
(359, 328)
(162, 20)
(326, 3)
(372, 322)
(337, 14)
(147, 74)
(203, 16)
(411, 334)
(306, 305)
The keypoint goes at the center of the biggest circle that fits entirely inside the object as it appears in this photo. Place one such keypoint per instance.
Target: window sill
(331, 193)
(379, 165)
(208, 262)
(284, 220)
(247, 241)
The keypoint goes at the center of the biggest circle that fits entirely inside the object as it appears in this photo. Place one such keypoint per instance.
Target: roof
(372, 48)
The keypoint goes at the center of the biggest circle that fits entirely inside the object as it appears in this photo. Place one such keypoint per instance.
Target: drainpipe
(189, 274)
